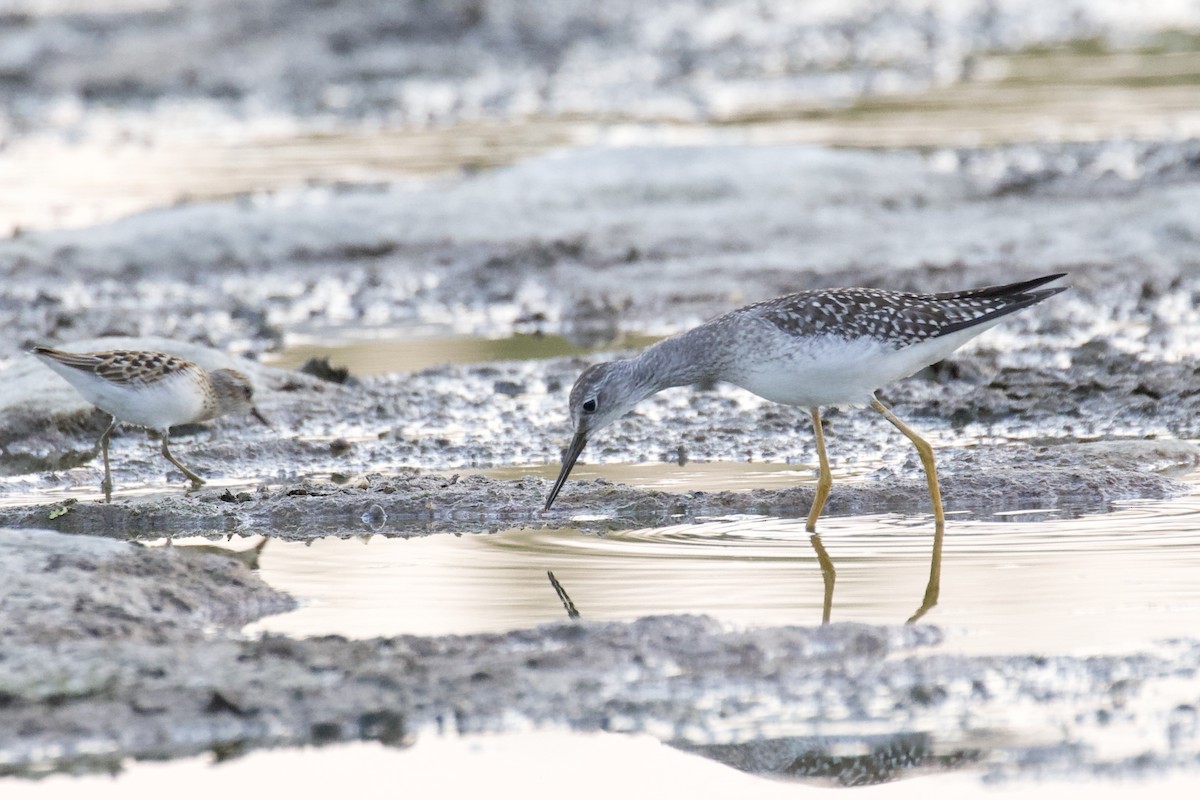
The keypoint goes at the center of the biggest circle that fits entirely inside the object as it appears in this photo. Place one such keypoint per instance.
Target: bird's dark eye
(589, 406)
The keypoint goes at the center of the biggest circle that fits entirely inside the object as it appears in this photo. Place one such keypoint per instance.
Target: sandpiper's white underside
(172, 400)
(830, 370)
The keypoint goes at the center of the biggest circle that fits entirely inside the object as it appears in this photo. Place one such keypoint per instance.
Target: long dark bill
(258, 416)
(569, 458)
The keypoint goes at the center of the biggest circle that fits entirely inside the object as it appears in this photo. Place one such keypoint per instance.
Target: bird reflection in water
(828, 575)
(841, 760)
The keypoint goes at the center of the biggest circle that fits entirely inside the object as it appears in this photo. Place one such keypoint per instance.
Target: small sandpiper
(153, 390)
(829, 347)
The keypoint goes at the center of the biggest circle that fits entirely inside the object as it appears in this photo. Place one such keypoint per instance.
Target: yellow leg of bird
(106, 484)
(935, 496)
(824, 476)
(828, 573)
(196, 480)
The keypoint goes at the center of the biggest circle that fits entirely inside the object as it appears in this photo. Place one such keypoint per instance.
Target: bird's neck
(692, 357)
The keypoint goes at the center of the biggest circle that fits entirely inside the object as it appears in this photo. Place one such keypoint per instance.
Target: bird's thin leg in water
(106, 484)
(824, 476)
(935, 495)
(196, 480)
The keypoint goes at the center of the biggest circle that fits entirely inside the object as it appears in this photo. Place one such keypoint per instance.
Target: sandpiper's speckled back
(895, 318)
(120, 366)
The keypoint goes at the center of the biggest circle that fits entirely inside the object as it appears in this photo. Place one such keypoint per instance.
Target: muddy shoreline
(984, 482)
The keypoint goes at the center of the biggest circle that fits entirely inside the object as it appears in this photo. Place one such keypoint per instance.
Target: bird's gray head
(235, 393)
(603, 394)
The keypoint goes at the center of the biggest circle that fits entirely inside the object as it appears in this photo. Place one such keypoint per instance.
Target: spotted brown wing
(121, 366)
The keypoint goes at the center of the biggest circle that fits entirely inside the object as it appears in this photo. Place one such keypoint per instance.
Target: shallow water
(1042, 581)
(189, 154)
(377, 353)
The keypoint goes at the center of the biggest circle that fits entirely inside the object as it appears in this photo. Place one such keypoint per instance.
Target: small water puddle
(1041, 581)
(366, 352)
(131, 162)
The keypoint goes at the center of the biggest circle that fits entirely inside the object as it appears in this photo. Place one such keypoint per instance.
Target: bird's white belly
(832, 371)
(174, 400)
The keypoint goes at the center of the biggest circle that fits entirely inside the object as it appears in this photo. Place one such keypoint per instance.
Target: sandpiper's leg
(926, 453)
(935, 495)
(828, 574)
(824, 476)
(106, 484)
(196, 480)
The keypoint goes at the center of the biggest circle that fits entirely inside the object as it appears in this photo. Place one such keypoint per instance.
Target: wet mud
(984, 481)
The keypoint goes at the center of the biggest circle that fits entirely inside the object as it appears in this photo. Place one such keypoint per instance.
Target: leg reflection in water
(935, 577)
(828, 575)
(932, 588)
